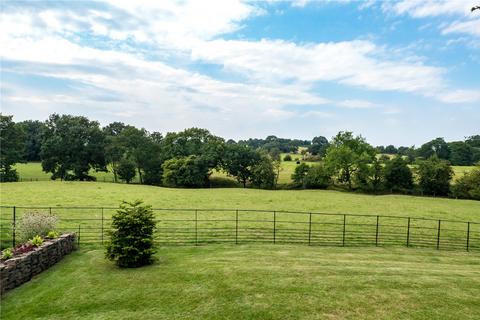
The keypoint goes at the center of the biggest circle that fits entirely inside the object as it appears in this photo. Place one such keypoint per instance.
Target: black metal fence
(202, 226)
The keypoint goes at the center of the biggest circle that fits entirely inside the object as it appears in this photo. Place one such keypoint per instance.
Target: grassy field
(32, 171)
(256, 282)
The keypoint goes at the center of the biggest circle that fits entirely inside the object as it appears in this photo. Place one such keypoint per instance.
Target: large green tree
(12, 145)
(319, 146)
(436, 147)
(398, 175)
(33, 138)
(434, 176)
(461, 154)
(187, 171)
(346, 155)
(72, 146)
(238, 161)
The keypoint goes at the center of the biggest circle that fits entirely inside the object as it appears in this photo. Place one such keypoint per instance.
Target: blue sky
(400, 72)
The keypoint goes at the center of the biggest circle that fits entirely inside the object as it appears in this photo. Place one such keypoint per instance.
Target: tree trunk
(140, 175)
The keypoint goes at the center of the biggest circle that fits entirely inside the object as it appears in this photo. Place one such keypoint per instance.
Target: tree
(468, 186)
(319, 146)
(12, 145)
(263, 173)
(300, 174)
(346, 154)
(238, 161)
(207, 148)
(461, 154)
(398, 175)
(33, 138)
(115, 149)
(126, 170)
(187, 171)
(137, 146)
(369, 176)
(436, 147)
(390, 149)
(131, 238)
(317, 177)
(72, 146)
(275, 154)
(434, 176)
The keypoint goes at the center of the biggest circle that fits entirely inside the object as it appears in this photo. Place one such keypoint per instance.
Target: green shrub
(317, 177)
(263, 173)
(299, 175)
(126, 170)
(7, 254)
(36, 241)
(191, 171)
(52, 234)
(468, 186)
(287, 158)
(35, 223)
(131, 237)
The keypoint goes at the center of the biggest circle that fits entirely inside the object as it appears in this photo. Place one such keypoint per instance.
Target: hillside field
(33, 171)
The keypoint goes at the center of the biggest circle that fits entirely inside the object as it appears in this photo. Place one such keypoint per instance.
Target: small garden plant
(36, 223)
(7, 254)
(131, 237)
(52, 234)
(36, 241)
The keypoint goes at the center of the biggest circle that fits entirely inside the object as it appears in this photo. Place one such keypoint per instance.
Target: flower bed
(21, 268)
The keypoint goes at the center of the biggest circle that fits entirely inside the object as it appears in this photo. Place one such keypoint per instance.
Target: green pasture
(256, 282)
(214, 225)
(32, 171)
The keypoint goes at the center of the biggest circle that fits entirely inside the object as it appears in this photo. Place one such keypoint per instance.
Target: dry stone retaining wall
(20, 269)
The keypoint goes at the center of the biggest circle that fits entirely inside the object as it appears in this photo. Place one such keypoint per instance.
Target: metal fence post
(274, 225)
(376, 231)
(438, 235)
(236, 226)
(78, 238)
(102, 225)
(468, 234)
(344, 225)
(196, 227)
(408, 232)
(310, 229)
(50, 210)
(14, 225)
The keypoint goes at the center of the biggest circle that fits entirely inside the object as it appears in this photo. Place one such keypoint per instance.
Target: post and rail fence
(237, 226)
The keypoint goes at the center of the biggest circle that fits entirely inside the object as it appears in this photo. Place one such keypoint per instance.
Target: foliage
(434, 176)
(71, 135)
(346, 155)
(33, 130)
(398, 175)
(370, 177)
(263, 173)
(12, 148)
(239, 160)
(299, 175)
(287, 157)
(126, 170)
(52, 234)
(36, 241)
(23, 248)
(189, 171)
(461, 154)
(468, 186)
(273, 142)
(36, 223)
(319, 146)
(131, 238)
(436, 147)
(317, 177)
(7, 254)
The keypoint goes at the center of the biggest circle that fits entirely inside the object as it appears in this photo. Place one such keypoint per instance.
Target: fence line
(201, 226)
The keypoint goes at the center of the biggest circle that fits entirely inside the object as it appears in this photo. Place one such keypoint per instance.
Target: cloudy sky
(396, 72)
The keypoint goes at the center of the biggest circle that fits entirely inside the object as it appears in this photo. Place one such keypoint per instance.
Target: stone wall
(20, 269)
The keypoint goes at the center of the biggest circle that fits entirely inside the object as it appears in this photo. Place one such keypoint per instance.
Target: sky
(396, 72)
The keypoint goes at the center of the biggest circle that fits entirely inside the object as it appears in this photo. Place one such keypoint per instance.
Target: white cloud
(471, 27)
(460, 96)
(428, 8)
(357, 104)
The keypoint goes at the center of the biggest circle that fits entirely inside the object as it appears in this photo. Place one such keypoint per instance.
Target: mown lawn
(256, 282)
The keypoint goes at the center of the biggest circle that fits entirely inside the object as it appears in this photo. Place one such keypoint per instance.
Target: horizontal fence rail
(203, 226)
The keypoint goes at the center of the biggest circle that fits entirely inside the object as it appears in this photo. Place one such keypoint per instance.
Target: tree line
(71, 147)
